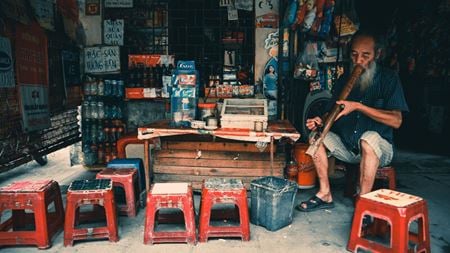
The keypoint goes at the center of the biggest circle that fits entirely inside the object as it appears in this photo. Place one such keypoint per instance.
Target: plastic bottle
(94, 110)
(107, 88)
(100, 110)
(93, 87)
(120, 88)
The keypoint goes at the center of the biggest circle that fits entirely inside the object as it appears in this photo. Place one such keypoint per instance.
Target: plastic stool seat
(90, 192)
(170, 188)
(128, 180)
(399, 210)
(166, 196)
(35, 196)
(221, 190)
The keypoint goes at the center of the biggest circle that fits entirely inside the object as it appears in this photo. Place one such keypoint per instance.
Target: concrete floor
(427, 176)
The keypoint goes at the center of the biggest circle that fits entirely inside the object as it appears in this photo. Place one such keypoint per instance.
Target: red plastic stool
(35, 196)
(399, 210)
(90, 192)
(127, 179)
(170, 195)
(387, 173)
(221, 190)
(352, 178)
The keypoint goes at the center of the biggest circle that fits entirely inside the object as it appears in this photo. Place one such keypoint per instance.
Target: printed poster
(266, 52)
(31, 55)
(34, 106)
(32, 76)
(6, 64)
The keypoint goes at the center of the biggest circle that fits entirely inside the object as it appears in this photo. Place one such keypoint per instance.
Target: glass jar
(207, 110)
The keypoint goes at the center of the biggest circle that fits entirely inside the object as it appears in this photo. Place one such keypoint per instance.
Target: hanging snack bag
(307, 67)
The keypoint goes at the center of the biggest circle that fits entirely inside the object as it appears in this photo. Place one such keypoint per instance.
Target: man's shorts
(383, 149)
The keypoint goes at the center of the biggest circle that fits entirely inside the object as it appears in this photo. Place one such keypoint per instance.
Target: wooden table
(276, 130)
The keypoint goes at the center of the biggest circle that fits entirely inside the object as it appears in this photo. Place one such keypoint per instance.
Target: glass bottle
(107, 152)
(106, 130)
(113, 131)
(113, 151)
(100, 154)
(101, 137)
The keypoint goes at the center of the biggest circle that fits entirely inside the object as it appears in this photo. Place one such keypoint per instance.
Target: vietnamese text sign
(113, 32)
(118, 3)
(101, 59)
(34, 105)
(6, 64)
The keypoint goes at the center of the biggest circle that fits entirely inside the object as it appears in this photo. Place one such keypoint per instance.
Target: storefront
(122, 62)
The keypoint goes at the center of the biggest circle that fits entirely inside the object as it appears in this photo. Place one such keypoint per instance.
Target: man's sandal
(313, 204)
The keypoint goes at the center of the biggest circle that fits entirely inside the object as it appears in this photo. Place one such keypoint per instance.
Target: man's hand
(313, 123)
(348, 107)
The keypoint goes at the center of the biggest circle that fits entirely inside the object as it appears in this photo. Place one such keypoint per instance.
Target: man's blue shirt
(384, 93)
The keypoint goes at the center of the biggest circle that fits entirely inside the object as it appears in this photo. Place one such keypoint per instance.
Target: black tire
(41, 160)
(314, 104)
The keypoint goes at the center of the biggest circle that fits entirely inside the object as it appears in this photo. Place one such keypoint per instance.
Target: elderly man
(363, 130)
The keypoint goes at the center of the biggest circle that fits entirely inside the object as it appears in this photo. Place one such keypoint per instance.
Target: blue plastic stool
(127, 163)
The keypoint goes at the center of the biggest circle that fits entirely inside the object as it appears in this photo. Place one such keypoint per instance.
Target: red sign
(150, 60)
(31, 55)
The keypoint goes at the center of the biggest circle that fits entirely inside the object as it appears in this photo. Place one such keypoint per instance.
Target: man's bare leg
(321, 165)
(368, 167)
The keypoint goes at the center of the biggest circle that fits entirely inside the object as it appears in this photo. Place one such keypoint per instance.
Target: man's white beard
(366, 79)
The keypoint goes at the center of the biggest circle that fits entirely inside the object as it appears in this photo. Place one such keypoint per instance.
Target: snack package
(307, 67)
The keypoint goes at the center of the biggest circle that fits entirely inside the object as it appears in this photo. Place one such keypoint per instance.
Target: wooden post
(147, 164)
(271, 155)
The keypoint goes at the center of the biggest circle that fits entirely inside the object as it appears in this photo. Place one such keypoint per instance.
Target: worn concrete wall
(140, 113)
(92, 25)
